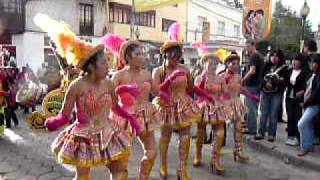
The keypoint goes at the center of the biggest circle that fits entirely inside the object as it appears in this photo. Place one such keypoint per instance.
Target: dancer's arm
(121, 111)
(56, 122)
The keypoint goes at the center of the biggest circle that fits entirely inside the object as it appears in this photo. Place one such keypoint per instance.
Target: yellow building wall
(154, 34)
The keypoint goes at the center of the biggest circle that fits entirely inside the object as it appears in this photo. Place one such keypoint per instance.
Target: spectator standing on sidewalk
(252, 82)
(11, 102)
(311, 108)
(296, 85)
(272, 95)
(310, 48)
(3, 102)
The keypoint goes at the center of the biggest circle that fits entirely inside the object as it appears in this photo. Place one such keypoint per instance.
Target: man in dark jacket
(312, 108)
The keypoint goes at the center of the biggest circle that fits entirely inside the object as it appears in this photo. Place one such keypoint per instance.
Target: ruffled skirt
(238, 109)
(91, 150)
(215, 113)
(146, 114)
(179, 113)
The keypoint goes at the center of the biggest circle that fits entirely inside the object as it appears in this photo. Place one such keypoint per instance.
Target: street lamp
(304, 12)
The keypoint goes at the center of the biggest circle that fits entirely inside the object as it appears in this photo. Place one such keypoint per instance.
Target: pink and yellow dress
(237, 107)
(93, 139)
(180, 110)
(217, 111)
(140, 106)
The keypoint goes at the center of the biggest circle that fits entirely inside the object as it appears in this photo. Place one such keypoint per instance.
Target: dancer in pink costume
(133, 75)
(93, 139)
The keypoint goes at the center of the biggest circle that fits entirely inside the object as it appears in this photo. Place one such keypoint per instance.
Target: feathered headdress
(174, 34)
(75, 51)
(222, 54)
(113, 42)
(202, 48)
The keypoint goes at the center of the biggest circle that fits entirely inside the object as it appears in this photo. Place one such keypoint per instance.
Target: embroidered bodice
(93, 111)
(178, 87)
(214, 86)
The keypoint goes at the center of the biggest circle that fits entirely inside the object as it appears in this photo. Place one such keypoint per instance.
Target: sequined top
(92, 113)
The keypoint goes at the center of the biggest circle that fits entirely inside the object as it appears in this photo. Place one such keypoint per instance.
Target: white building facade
(225, 27)
(86, 18)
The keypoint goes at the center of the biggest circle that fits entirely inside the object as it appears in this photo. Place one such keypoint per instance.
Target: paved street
(26, 156)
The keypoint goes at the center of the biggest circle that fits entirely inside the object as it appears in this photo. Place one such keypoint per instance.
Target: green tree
(287, 30)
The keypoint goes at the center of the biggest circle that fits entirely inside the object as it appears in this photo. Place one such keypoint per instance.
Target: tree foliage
(287, 30)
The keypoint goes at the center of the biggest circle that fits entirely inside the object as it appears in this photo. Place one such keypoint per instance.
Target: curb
(281, 155)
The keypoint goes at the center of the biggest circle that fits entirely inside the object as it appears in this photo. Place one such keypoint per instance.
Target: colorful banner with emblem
(147, 5)
(257, 19)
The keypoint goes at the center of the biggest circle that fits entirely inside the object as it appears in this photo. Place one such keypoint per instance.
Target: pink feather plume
(174, 31)
(112, 42)
(201, 47)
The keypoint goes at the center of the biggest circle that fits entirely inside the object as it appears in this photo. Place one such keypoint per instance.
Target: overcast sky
(314, 5)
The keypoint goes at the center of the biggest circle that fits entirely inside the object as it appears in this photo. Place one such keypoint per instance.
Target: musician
(273, 87)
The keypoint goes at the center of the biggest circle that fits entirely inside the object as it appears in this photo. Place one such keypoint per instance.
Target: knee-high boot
(184, 146)
(199, 143)
(238, 152)
(147, 164)
(164, 145)
(216, 149)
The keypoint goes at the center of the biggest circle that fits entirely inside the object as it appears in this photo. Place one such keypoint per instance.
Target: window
(221, 28)
(146, 19)
(120, 13)
(11, 6)
(201, 20)
(86, 20)
(236, 30)
(166, 23)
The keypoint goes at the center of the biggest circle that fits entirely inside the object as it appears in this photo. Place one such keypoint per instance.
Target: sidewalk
(288, 154)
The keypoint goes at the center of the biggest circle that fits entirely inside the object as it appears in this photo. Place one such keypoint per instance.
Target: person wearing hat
(173, 83)
(214, 110)
(238, 108)
(311, 107)
(139, 104)
(296, 86)
(93, 139)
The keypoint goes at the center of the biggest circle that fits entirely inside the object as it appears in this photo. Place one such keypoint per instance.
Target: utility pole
(132, 21)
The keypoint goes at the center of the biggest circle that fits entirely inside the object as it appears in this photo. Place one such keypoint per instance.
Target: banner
(257, 19)
(147, 5)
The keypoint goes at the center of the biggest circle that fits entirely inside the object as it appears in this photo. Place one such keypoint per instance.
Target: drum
(52, 102)
(30, 92)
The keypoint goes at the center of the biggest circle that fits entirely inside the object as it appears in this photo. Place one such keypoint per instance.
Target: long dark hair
(173, 49)
(92, 60)
(279, 53)
(129, 50)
